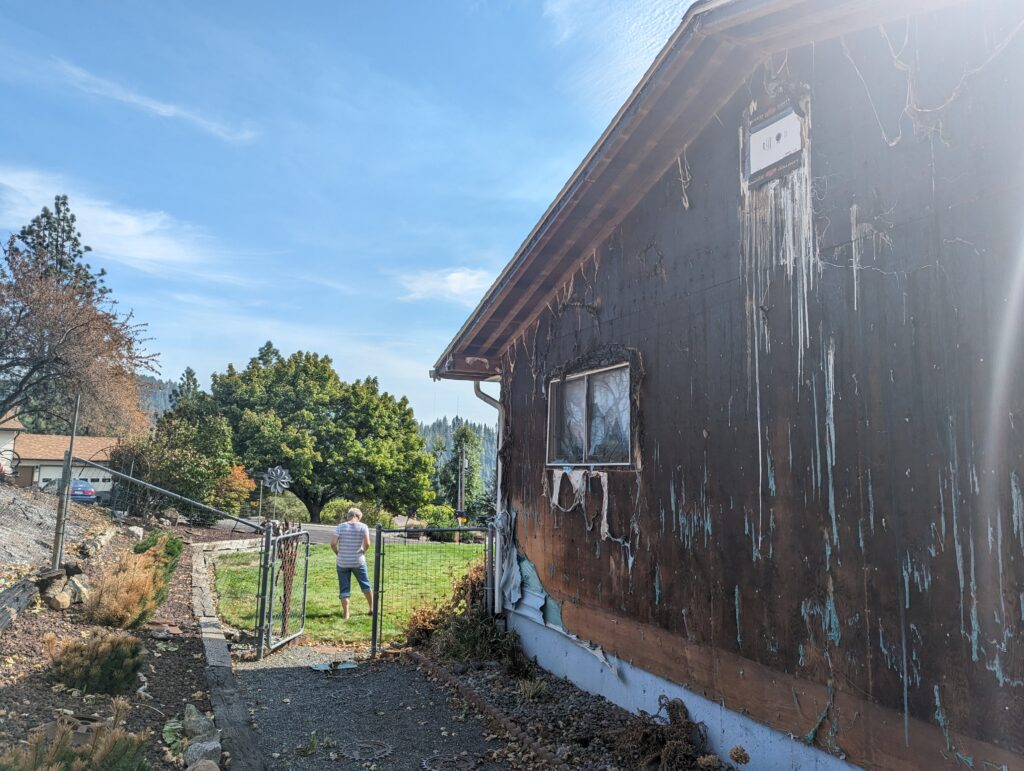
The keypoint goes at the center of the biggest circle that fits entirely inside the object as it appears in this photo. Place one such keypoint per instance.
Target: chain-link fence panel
(417, 569)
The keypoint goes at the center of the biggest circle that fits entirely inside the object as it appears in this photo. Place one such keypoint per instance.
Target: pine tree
(53, 239)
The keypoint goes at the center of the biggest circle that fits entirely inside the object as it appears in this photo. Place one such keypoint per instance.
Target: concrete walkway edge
(230, 712)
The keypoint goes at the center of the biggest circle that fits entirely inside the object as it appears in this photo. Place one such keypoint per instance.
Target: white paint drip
(855, 253)
(577, 478)
(830, 435)
(778, 233)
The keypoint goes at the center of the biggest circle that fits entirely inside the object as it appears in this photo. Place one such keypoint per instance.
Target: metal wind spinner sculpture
(277, 479)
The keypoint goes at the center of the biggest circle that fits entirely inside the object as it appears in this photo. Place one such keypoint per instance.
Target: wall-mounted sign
(774, 144)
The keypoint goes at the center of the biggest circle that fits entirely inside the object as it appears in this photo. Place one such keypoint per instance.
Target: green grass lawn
(415, 573)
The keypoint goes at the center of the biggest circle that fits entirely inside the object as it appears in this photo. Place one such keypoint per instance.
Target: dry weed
(534, 690)
(126, 591)
(680, 743)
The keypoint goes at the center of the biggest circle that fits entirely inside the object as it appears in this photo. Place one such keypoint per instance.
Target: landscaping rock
(50, 579)
(196, 724)
(199, 751)
(93, 546)
(72, 568)
(203, 765)
(136, 532)
(78, 588)
(58, 600)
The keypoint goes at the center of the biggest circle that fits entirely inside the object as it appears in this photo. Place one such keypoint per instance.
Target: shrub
(125, 591)
(438, 515)
(111, 748)
(373, 513)
(171, 545)
(462, 630)
(104, 662)
(285, 507)
(129, 590)
(233, 490)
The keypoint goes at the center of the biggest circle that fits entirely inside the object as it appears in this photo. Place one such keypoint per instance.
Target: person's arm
(334, 544)
(366, 541)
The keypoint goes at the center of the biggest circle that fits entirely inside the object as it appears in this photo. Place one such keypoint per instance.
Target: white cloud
(461, 285)
(340, 287)
(621, 39)
(22, 66)
(88, 83)
(150, 241)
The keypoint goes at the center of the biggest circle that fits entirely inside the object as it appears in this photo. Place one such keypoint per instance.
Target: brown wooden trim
(871, 735)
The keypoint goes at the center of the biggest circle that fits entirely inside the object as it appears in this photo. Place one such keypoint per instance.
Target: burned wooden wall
(824, 522)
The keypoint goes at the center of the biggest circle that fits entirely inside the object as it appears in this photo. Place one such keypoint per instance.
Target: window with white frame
(589, 418)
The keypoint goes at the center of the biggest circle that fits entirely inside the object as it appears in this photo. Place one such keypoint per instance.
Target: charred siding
(845, 510)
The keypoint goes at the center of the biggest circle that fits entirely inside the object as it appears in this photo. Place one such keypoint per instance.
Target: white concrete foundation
(635, 689)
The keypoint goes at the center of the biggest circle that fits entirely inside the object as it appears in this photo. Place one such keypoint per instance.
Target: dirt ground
(174, 667)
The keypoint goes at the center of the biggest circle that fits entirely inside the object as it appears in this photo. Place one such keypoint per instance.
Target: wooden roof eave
(715, 47)
(588, 170)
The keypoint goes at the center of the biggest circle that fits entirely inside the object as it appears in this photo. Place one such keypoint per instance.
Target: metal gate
(284, 560)
(412, 571)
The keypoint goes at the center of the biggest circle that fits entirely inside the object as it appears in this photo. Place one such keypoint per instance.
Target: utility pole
(460, 505)
(460, 509)
(65, 488)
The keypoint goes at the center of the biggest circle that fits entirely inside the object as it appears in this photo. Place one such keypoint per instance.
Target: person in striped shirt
(351, 541)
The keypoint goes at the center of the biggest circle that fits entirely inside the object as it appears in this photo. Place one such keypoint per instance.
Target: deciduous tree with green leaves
(336, 439)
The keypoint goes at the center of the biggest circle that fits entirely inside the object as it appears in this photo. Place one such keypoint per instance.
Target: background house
(40, 459)
(762, 380)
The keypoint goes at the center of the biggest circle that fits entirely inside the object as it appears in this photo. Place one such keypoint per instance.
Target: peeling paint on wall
(808, 404)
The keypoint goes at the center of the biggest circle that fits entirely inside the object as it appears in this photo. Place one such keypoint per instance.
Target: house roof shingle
(52, 447)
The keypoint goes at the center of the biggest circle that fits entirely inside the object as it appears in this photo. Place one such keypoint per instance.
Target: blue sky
(334, 176)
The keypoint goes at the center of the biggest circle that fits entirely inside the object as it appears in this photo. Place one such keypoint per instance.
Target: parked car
(82, 491)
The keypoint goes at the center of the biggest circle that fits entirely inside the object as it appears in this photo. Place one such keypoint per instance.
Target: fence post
(378, 553)
(65, 492)
(378, 583)
(489, 570)
(264, 584)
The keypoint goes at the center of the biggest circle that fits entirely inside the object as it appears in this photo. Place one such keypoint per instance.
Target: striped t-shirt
(350, 544)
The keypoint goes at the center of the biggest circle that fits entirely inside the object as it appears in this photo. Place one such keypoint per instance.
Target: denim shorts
(345, 579)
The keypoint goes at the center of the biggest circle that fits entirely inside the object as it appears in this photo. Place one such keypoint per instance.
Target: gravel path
(389, 702)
